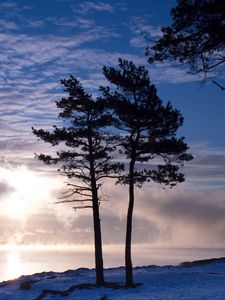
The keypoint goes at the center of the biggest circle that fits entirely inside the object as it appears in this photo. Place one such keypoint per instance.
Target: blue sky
(43, 41)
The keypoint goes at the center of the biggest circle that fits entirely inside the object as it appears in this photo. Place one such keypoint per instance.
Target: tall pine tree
(86, 155)
(147, 131)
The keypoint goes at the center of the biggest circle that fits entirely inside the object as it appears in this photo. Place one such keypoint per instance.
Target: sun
(28, 191)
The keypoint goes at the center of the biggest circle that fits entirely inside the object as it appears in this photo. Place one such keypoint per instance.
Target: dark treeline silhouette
(196, 37)
(128, 118)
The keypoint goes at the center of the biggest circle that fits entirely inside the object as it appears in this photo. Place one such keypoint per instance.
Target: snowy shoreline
(202, 279)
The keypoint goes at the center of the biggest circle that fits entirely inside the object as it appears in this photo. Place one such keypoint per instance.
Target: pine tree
(86, 157)
(196, 37)
(147, 131)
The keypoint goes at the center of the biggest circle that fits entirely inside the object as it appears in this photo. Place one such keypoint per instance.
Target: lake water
(16, 261)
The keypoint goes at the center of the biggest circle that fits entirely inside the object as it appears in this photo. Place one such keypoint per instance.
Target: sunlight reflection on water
(23, 260)
(13, 265)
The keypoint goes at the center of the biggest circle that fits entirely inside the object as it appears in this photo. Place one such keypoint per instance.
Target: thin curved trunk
(128, 260)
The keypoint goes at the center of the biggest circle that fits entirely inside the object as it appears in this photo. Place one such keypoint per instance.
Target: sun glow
(13, 265)
(28, 191)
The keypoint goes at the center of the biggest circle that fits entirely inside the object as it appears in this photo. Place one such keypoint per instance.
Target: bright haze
(44, 41)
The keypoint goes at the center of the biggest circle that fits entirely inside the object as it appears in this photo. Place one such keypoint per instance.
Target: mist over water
(18, 261)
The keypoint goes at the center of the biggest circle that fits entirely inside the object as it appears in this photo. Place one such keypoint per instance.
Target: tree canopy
(196, 37)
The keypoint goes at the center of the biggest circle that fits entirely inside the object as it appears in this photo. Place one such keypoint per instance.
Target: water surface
(16, 261)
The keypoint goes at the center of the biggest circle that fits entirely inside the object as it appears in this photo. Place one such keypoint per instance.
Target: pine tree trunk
(96, 219)
(98, 241)
(128, 261)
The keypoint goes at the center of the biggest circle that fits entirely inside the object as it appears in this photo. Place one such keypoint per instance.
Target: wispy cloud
(85, 23)
(31, 69)
(170, 72)
(29, 81)
(35, 23)
(8, 4)
(7, 25)
(89, 6)
(143, 32)
(12, 8)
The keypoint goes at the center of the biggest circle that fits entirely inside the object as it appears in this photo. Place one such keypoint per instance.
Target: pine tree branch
(82, 207)
(78, 186)
(217, 84)
(73, 200)
(72, 192)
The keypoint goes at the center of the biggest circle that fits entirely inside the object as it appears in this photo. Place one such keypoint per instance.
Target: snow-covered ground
(198, 281)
